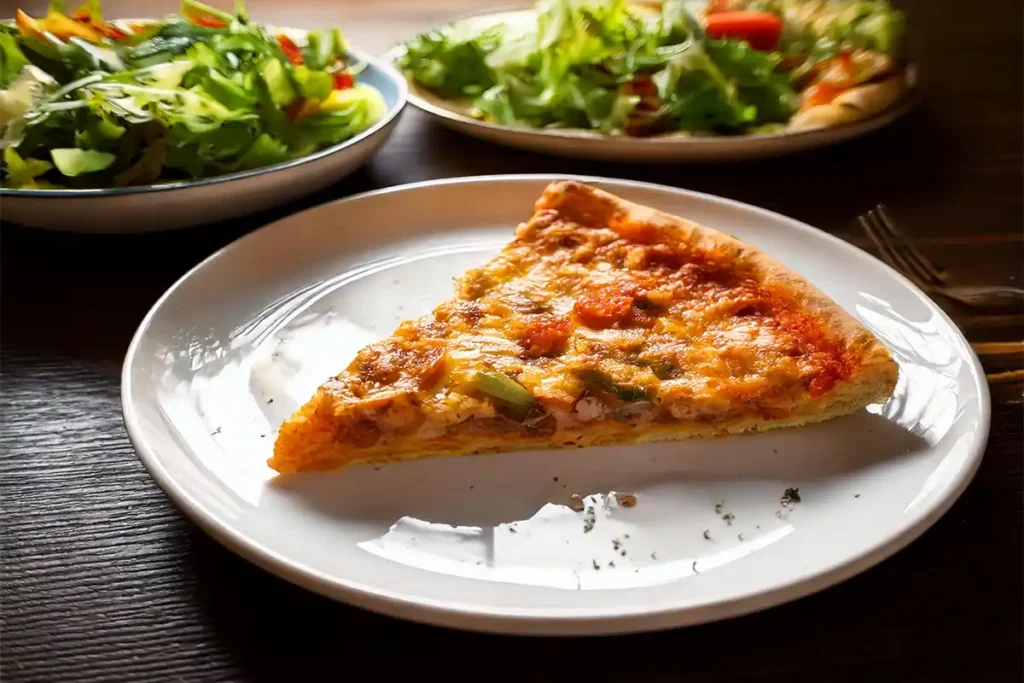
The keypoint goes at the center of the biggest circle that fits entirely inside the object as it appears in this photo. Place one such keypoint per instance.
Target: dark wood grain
(101, 578)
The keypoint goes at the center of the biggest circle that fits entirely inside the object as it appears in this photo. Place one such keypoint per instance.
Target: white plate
(486, 542)
(150, 208)
(674, 147)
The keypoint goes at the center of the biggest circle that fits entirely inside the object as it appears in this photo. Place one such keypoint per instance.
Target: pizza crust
(327, 454)
(856, 104)
(876, 374)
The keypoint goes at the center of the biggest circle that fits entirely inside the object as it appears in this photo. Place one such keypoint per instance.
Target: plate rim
(385, 67)
(539, 621)
(894, 112)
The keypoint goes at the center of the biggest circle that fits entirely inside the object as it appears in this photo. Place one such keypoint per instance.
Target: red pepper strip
(207, 21)
(291, 51)
(343, 80)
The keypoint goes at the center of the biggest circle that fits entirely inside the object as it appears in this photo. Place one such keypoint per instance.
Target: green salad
(738, 66)
(91, 103)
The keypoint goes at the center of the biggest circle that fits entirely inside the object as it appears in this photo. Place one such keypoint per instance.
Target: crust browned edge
(306, 440)
(876, 372)
(856, 104)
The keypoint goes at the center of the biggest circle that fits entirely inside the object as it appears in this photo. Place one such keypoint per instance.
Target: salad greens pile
(92, 103)
(604, 66)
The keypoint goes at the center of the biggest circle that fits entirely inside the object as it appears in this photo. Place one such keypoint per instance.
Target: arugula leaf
(157, 50)
(177, 27)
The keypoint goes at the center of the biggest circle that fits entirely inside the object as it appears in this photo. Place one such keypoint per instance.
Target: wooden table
(103, 579)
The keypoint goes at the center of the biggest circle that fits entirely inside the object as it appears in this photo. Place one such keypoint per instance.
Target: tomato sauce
(545, 335)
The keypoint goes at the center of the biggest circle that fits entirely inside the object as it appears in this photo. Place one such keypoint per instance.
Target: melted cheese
(601, 325)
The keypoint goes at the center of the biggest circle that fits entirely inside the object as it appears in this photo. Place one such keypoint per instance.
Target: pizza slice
(603, 322)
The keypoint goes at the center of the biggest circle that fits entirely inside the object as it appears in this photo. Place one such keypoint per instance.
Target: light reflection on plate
(552, 548)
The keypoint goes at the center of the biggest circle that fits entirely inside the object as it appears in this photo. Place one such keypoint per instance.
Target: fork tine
(929, 270)
(896, 245)
(885, 250)
(883, 241)
(879, 245)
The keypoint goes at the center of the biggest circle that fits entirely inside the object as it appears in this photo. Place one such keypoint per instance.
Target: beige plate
(673, 147)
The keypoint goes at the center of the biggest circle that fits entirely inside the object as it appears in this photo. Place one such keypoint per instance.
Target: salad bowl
(170, 203)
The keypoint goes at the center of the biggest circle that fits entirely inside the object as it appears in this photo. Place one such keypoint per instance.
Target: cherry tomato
(760, 29)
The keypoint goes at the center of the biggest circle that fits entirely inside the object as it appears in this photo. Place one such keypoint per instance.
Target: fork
(899, 252)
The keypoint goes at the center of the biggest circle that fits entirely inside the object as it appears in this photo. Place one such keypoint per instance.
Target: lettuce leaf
(449, 65)
(821, 27)
(756, 78)
(264, 151)
(12, 59)
(589, 64)
(72, 161)
(20, 172)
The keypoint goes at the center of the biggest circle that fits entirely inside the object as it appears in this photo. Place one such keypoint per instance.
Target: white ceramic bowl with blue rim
(165, 206)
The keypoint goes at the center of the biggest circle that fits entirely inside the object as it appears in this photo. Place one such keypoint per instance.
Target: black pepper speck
(790, 497)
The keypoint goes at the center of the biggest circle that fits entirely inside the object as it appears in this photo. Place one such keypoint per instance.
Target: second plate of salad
(665, 81)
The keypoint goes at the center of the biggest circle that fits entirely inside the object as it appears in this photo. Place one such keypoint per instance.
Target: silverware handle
(989, 296)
